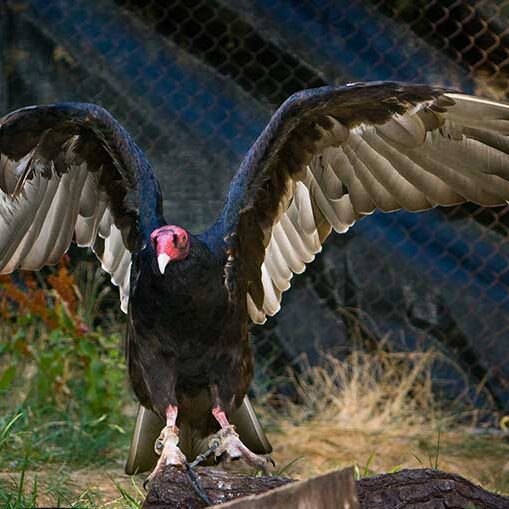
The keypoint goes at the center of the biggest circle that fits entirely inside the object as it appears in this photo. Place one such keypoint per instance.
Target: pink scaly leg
(227, 442)
(167, 444)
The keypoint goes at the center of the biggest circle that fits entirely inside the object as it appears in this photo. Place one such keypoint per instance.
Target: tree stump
(407, 489)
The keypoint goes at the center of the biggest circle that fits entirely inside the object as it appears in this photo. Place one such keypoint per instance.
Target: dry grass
(366, 391)
(378, 411)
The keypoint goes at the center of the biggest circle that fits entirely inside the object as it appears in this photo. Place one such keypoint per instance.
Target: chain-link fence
(195, 81)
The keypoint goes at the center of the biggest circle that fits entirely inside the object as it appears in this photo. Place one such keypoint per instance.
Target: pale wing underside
(38, 222)
(427, 157)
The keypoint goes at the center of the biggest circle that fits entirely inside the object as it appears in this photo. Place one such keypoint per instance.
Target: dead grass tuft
(379, 412)
(366, 391)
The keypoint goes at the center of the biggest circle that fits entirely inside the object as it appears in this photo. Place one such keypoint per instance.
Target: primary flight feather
(327, 158)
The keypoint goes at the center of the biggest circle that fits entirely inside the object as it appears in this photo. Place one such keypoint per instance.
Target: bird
(328, 158)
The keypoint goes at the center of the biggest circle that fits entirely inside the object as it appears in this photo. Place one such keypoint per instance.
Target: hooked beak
(162, 260)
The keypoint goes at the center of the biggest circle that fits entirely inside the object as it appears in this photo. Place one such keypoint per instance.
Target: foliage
(71, 368)
(63, 389)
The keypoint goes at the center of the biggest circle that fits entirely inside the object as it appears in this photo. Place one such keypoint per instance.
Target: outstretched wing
(70, 171)
(333, 155)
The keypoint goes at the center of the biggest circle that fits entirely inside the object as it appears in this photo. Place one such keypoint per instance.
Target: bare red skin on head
(171, 240)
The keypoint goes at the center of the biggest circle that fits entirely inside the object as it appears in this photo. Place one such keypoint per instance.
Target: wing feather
(71, 171)
(67, 213)
(378, 194)
(281, 282)
(331, 156)
(435, 189)
(271, 299)
(465, 181)
(296, 240)
(304, 208)
(404, 193)
(16, 217)
(87, 227)
(277, 260)
(359, 196)
(288, 251)
(407, 131)
(39, 207)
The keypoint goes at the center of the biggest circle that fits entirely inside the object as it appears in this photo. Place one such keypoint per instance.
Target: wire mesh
(195, 81)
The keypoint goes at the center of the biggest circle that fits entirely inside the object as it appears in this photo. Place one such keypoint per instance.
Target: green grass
(63, 394)
(72, 406)
(45, 443)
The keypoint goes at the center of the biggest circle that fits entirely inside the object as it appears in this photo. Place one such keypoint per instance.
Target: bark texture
(416, 489)
(173, 488)
(425, 489)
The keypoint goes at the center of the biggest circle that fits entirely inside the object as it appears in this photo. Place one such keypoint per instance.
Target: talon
(169, 453)
(231, 448)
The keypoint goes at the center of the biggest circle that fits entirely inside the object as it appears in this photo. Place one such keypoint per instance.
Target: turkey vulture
(328, 157)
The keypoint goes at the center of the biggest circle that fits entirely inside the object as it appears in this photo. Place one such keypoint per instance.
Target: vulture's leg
(166, 445)
(227, 442)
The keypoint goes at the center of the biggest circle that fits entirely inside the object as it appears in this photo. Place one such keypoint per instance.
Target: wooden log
(425, 489)
(416, 489)
(172, 488)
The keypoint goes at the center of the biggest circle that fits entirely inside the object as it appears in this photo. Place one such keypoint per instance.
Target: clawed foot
(166, 446)
(226, 443)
